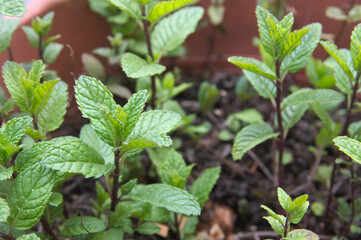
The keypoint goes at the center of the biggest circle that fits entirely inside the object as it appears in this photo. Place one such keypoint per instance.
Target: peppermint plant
(165, 26)
(283, 51)
(294, 212)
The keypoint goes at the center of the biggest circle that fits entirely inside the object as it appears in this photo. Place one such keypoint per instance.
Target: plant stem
(285, 227)
(6, 237)
(344, 23)
(115, 188)
(326, 216)
(47, 227)
(10, 53)
(40, 47)
(352, 187)
(150, 52)
(280, 142)
(177, 226)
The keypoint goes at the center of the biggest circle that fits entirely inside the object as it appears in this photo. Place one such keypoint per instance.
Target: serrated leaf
(254, 66)
(19, 88)
(7, 173)
(30, 156)
(36, 72)
(82, 225)
(350, 147)
(130, 7)
(306, 234)
(96, 103)
(148, 228)
(276, 225)
(172, 31)
(51, 116)
(323, 115)
(263, 18)
(55, 199)
(111, 234)
(163, 8)
(338, 56)
(170, 166)
(51, 52)
(293, 40)
(41, 96)
(203, 185)
(343, 82)
(32, 36)
(163, 195)
(262, 85)
(292, 114)
(307, 96)
(151, 129)
(299, 57)
(133, 109)
(31, 236)
(89, 136)
(298, 209)
(284, 199)
(29, 195)
(15, 8)
(15, 129)
(93, 66)
(355, 47)
(136, 67)
(4, 210)
(71, 155)
(249, 137)
(7, 28)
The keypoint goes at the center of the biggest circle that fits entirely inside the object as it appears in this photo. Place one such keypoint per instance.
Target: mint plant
(208, 95)
(172, 170)
(48, 49)
(13, 8)
(163, 34)
(283, 52)
(294, 212)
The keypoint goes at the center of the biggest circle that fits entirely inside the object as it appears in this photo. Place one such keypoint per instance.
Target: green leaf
(354, 15)
(133, 109)
(264, 29)
(299, 57)
(96, 103)
(208, 96)
(350, 147)
(250, 115)
(32, 36)
(355, 47)
(284, 199)
(130, 7)
(41, 96)
(276, 225)
(148, 228)
(202, 186)
(15, 129)
(30, 156)
(36, 72)
(292, 114)
(111, 234)
(307, 96)
(249, 137)
(293, 40)
(343, 82)
(7, 28)
(51, 52)
(14, 8)
(216, 14)
(31, 236)
(298, 209)
(19, 88)
(163, 195)
(7, 173)
(163, 8)
(82, 225)
(339, 57)
(170, 166)
(336, 13)
(254, 66)
(51, 116)
(306, 234)
(262, 85)
(136, 67)
(172, 31)
(4, 210)
(151, 129)
(29, 194)
(56, 199)
(89, 136)
(93, 66)
(71, 155)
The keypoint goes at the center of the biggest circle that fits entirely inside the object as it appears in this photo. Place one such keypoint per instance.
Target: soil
(234, 209)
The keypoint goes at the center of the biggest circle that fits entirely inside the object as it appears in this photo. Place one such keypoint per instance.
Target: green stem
(280, 142)
(114, 196)
(177, 226)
